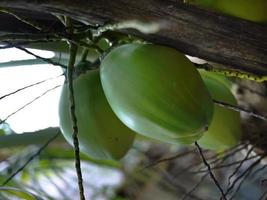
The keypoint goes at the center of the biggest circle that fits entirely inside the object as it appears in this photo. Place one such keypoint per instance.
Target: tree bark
(233, 42)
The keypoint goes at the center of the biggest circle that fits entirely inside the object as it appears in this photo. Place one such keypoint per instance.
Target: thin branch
(179, 155)
(47, 60)
(22, 18)
(30, 159)
(230, 153)
(210, 171)
(176, 186)
(24, 106)
(207, 173)
(246, 176)
(212, 157)
(259, 170)
(251, 167)
(70, 38)
(23, 43)
(240, 165)
(30, 37)
(26, 138)
(195, 187)
(240, 109)
(244, 179)
(73, 51)
(226, 165)
(28, 86)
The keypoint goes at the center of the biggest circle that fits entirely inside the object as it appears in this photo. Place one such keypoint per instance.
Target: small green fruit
(157, 92)
(224, 131)
(101, 134)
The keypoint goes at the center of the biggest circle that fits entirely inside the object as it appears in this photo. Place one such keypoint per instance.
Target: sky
(43, 112)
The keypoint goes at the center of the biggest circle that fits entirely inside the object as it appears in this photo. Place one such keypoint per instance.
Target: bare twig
(240, 109)
(207, 173)
(30, 159)
(46, 37)
(50, 36)
(226, 165)
(195, 187)
(175, 185)
(22, 18)
(30, 37)
(243, 180)
(47, 60)
(28, 86)
(24, 106)
(240, 165)
(23, 43)
(259, 170)
(250, 168)
(210, 171)
(179, 155)
(229, 153)
(236, 149)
